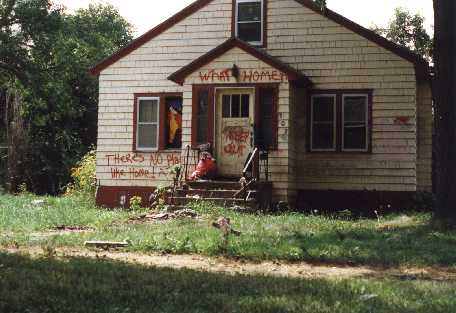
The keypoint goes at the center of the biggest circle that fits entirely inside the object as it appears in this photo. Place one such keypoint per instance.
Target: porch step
(211, 193)
(227, 202)
(217, 185)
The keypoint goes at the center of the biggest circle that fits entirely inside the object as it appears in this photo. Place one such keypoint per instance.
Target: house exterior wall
(337, 58)
(424, 137)
(332, 56)
(145, 70)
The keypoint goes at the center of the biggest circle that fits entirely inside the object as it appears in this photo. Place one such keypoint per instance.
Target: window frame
(157, 123)
(162, 123)
(334, 147)
(263, 22)
(339, 94)
(366, 96)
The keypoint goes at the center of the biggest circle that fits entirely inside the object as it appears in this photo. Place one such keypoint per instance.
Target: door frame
(212, 100)
(218, 93)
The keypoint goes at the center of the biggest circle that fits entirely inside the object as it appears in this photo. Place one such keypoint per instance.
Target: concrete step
(211, 185)
(182, 201)
(213, 193)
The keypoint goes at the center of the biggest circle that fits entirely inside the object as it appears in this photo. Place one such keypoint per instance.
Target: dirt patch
(229, 266)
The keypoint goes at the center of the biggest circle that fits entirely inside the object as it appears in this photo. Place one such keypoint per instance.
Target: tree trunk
(16, 140)
(445, 107)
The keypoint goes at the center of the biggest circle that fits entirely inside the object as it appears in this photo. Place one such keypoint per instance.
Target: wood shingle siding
(330, 51)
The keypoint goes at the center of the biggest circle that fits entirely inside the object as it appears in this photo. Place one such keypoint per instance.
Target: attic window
(249, 21)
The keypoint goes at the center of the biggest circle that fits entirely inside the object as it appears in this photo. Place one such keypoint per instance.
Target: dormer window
(250, 21)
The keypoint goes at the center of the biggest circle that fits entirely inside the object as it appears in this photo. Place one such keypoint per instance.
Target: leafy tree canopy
(407, 30)
(321, 3)
(45, 54)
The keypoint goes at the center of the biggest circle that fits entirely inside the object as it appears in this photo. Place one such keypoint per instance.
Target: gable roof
(421, 65)
(293, 75)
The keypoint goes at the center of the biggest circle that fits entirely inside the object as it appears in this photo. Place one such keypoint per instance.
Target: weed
(135, 203)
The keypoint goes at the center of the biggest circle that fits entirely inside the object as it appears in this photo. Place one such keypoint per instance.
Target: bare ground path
(230, 266)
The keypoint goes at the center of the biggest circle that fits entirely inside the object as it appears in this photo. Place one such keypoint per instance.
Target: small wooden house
(341, 116)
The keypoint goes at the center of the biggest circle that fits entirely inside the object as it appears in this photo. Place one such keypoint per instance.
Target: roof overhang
(293, 75)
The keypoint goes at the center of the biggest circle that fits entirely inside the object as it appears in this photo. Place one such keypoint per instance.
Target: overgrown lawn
(398, 239)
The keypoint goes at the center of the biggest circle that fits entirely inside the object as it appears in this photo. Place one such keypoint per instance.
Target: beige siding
(425, 127)
(336, 58)
(145, 70)
(332, 56)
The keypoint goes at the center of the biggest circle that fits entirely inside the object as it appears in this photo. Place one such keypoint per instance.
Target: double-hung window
(339, 122)
(147, 123)
(323, 120)
(355, 118)
(249, 21)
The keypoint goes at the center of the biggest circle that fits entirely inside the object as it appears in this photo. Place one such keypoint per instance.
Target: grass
(87, 285)
(21, 214)
(69, 284)
(393, 241)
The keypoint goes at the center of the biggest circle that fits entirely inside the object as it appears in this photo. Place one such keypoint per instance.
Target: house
(344, 115)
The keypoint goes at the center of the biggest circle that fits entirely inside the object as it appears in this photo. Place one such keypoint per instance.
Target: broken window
(174, 122)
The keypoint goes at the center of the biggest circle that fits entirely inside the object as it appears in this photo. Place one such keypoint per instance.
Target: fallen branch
(106, 244)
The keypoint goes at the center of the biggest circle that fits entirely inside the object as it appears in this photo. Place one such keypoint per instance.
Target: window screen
(323, 122)
(147, 123)
(249, 21)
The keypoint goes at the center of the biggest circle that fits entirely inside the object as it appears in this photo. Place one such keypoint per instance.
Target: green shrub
(84, 175)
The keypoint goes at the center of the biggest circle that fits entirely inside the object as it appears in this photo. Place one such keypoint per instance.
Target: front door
(234, 129)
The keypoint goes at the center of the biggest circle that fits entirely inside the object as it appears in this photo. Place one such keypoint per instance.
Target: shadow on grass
(88, 285)
(419, 245)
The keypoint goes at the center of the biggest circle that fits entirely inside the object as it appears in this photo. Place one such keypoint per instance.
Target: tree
(445, 107)
(321, 3)
(407, 30)
(45, 55)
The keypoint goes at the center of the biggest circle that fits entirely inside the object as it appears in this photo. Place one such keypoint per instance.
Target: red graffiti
(236, 133)
(157, 165)
(213, 75)
(126, 158)
(234, 149)
(255, 76)
(246, 75)
(237, 137)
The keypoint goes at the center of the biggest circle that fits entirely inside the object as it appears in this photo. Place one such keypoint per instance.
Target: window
(249, 21)
(158, 122)
(235, 106)
(323, 119)
(354, 123)
(173, 122)
(266, 132)
(339, 121)
(203, 117)
(147, 123)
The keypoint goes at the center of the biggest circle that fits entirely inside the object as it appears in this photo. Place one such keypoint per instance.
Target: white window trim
(334, 148)
(366, 96)
(148, 123)
(254, 43)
